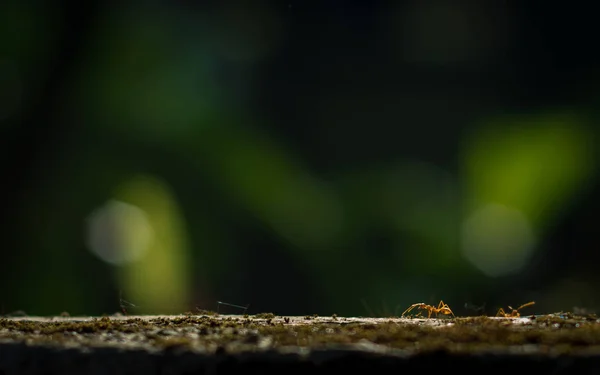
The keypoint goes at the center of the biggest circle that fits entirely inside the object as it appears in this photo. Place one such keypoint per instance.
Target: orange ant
(442, 308)
(514, 312)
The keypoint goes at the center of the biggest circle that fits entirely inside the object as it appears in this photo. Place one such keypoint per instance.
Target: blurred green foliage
(281, 155)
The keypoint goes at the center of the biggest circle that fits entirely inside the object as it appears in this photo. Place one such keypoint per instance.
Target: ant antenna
(124, 304)
(245, 308)
(366, 307)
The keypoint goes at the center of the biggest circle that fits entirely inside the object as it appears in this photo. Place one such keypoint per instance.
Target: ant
(514, 312)
(442, 308)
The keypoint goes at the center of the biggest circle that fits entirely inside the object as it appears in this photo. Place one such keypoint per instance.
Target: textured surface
(187, 344)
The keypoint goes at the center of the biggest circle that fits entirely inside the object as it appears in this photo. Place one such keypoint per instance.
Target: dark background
(349, 157)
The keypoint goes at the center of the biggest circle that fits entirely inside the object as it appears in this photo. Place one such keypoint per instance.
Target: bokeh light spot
(537, 163)
(119, 233)
(497, 239)
(143, 232)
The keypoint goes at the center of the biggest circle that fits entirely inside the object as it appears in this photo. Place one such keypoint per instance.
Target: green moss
(265, 316)
(205, 312)
(556, 333)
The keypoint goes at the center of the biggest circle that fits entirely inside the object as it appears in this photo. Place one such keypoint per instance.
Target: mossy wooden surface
(202, 342)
